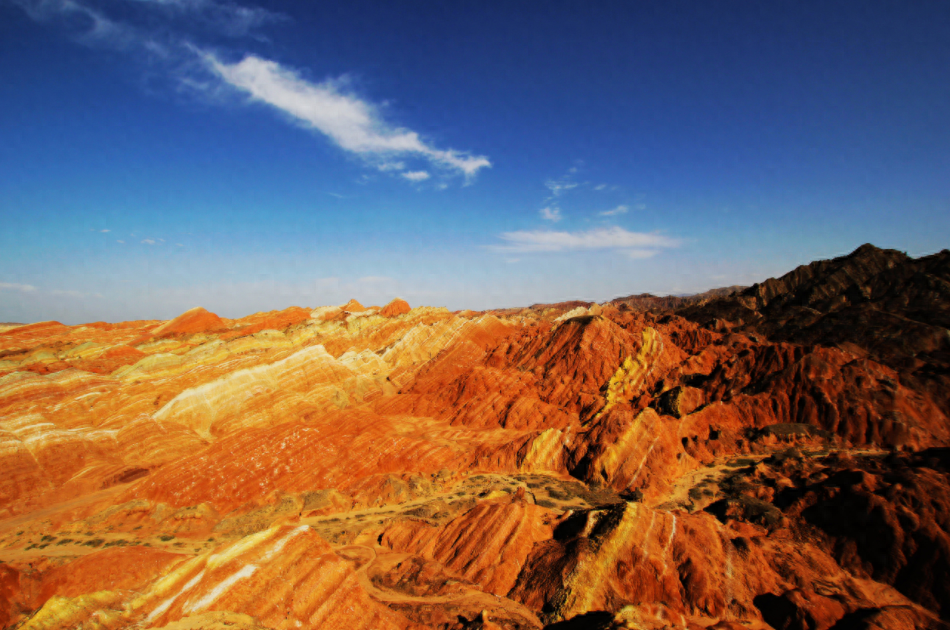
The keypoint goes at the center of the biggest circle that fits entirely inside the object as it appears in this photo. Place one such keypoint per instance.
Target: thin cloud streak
(597, 239)
(230, 19)
(618, 210)
(13, 286)
(351, 123)
(30, 289)
(416, 176)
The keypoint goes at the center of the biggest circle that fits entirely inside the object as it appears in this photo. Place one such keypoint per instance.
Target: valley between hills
(774, 456)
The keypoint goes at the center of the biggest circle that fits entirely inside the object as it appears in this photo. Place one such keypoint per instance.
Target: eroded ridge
(773, 456)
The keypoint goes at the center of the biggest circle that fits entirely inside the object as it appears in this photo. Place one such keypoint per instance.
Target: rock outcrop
(395, 308)
(775, 456)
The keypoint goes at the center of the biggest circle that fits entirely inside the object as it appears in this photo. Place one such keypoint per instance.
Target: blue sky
(162, 154)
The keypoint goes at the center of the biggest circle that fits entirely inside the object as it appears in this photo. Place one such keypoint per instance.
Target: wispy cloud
(13, 286)
(551, 213)
(88, 25)
(123, 242)
(416, 176)
(621, 209)
(600, 187)
(30, 289)
(225, 17)
(391, 166)
(331, 107)
(640, 253)
(105, 231)
(354, 124)
(636, 244)
(91, 25)
(560, 186)
(148, 241)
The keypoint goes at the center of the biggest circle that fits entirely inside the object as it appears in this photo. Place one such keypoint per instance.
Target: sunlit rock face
(775, 456)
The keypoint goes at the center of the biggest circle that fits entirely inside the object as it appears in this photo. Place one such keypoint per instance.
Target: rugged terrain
(776, 456)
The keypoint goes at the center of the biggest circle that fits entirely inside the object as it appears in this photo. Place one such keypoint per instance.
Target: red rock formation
(487, 545)
(353, 306)
(394, 468)
(394, 308)
(118, 568)
(196, 320)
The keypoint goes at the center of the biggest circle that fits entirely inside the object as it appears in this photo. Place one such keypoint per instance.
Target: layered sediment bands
(305, 382)
(851, 396)
(487, 545)
(632, 451)
(631, 555)
(116, 569)
(271, 320)
(394, 308)
(775, 459)
(529, 378)
(337, 451)
(283, 577)
(197, 320)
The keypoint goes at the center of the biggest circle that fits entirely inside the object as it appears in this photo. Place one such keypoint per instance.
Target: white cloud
(352, 123)
(618, 210)
(641, 253)
(223, 17)
(123, 242)
(551, 213)
(559, 186)
(148, 241)
(391, 166)
(104, 231)
(29, 288)
(13, 286)
(600, 187)
(416, 176)
(600, 238)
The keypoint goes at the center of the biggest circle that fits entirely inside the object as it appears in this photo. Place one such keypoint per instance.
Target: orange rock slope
(560, 466)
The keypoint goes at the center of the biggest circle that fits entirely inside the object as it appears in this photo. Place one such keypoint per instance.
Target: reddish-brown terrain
(769, 457)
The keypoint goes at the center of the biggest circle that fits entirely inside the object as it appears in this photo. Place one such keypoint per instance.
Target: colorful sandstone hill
(776, 456)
